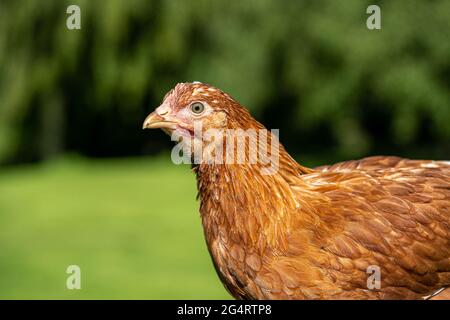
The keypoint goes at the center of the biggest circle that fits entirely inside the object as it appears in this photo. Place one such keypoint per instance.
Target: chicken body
(320, 233)
(318, 239)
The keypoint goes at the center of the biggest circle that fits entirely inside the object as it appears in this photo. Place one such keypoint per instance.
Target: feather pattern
(306, 233)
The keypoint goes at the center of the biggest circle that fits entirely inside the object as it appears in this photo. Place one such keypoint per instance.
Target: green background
(81, 183)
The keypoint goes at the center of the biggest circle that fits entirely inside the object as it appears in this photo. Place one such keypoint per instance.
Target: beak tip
(151, 118)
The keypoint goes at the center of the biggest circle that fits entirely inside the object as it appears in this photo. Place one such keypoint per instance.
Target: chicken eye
(197, 107)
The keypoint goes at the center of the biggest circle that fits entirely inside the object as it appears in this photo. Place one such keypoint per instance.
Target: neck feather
(242, 205)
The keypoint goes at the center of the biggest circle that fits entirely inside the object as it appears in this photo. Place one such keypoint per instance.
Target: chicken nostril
(162, 110)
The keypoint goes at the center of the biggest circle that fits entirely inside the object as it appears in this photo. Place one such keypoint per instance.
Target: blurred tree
(310, 68)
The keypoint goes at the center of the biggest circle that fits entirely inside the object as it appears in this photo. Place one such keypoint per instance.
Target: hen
(376, 228)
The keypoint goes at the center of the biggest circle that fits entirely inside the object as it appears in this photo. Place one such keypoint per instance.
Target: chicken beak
(156, 121)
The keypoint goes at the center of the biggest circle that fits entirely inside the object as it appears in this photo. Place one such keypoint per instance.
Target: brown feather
(311, 233)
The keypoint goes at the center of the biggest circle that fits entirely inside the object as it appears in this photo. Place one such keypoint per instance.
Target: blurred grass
(131, 225)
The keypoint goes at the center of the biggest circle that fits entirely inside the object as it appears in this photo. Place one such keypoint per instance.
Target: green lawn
(131, 225)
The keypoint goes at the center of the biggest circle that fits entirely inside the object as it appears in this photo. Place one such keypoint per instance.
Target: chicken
(376, 228)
